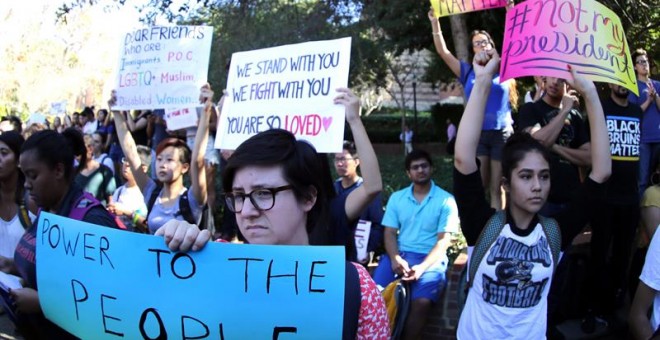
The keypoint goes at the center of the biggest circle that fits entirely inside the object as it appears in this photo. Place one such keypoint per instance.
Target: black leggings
(613, 233)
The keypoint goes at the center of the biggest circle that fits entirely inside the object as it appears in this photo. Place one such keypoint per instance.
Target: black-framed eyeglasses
(642, 62)
(263, 198)
(482, 43)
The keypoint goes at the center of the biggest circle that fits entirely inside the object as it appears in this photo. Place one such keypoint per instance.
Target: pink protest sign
(443, 8)
(542, 36)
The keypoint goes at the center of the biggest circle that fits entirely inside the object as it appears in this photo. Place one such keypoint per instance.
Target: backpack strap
(184, 209)
(352, 302)
(184, 205)
(152, 199)
(553, 234)
(107, 177)
(493, 229)
(487, 237)
(82, 205)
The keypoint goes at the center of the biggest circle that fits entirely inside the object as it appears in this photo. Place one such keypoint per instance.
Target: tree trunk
(459, 32)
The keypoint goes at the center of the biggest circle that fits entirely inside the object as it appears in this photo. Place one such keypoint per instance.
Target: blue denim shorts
(429, 285)
(491, 143)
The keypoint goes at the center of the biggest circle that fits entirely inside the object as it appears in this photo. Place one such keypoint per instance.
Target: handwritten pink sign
(443, 8)
(542, 36)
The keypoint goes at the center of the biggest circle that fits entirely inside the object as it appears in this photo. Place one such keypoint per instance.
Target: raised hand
(583, 85)
(113, 99)
(347, 98)
(431, 16)
(205, 94)
(570, 100)
(486, 63)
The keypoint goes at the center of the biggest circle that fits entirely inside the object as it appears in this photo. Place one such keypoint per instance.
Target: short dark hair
(416, 154)
(302, 167)
(88, 111)
(517, 147)
(350, 147)
(176, 143)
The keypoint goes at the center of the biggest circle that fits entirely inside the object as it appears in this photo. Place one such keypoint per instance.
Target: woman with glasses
(281, 191)
(649, 100)
(498, 123)
(173, 161)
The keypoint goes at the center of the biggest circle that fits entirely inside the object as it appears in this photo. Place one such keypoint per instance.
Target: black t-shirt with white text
(623, 128)
(565, 175)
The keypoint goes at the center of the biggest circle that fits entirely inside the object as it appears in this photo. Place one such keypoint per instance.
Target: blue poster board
(101, 283)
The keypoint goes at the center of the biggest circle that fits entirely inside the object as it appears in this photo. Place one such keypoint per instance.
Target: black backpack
(206, 222)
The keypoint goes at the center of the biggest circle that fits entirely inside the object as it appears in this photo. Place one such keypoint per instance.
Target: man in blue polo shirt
(418, 221)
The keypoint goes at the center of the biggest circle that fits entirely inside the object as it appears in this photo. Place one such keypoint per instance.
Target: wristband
(136, 217)
(437, 33)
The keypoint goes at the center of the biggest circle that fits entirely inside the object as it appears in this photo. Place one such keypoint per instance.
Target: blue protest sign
(101, 283)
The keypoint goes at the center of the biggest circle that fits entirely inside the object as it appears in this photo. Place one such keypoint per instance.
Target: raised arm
(127, 144)
(601, 160)
(485, 63)
(372, 183)
(441, 46)
(135, 126)
(197, 168)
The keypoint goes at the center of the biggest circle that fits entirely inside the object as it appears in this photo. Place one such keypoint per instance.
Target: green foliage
(641, 22)
(386, 128)
(395, 177)
(440, 113)
(255, 24)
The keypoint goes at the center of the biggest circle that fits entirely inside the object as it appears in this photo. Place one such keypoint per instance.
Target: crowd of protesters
(571, 161)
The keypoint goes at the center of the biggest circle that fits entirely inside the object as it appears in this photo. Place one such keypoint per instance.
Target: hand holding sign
(81, 286)
(579, 82)
(113, 99)
(183, 236)
(347, 98)
(205, 94)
